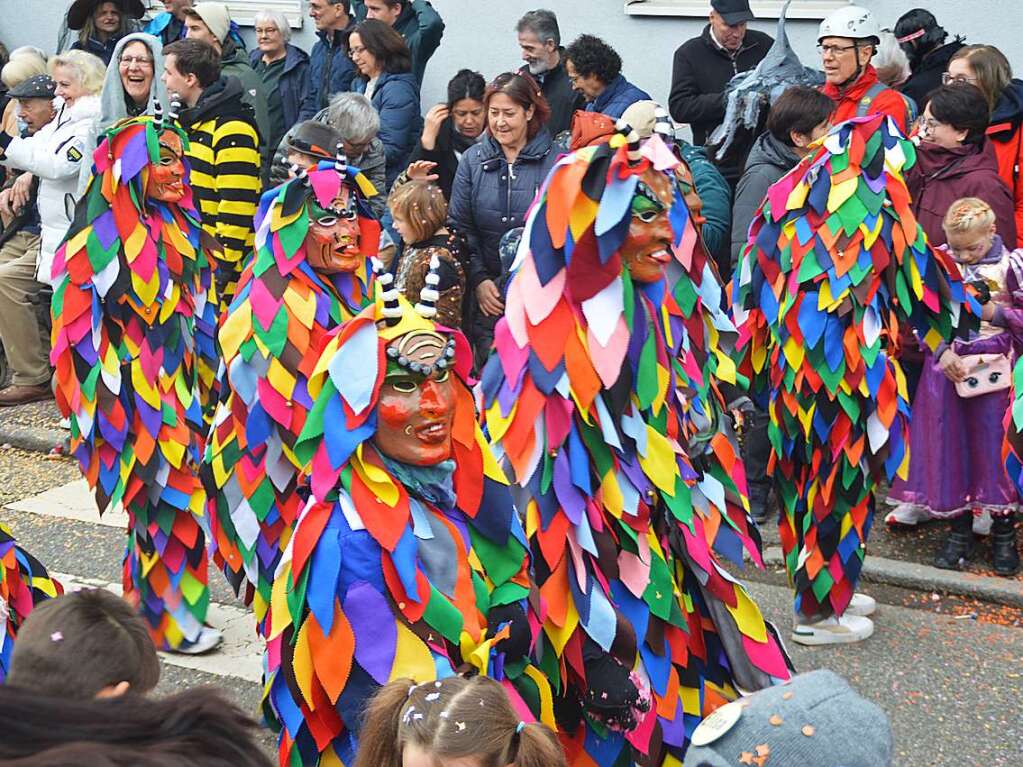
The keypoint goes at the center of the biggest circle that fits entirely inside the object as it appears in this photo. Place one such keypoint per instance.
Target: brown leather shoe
(22, 395)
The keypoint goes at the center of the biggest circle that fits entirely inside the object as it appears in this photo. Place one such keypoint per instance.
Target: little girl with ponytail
(468, 722)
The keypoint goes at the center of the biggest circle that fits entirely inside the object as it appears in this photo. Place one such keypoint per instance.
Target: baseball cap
(733, 12)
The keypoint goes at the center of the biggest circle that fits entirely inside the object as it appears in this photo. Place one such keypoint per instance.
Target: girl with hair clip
(963, 395)
(455, 721)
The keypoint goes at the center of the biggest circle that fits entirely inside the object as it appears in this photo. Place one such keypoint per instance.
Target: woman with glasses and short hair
(283, 68)
(986, 67)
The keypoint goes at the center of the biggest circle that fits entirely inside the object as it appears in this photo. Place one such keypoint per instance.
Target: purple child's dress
(956, 443)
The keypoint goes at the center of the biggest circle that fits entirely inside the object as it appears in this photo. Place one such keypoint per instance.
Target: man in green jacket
(415, 20)
(211, 23)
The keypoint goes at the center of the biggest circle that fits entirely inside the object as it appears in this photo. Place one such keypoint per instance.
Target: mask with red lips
(332, 242)
(646, 250)
(166, 177)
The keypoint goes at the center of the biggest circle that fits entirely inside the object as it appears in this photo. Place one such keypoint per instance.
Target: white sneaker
(982, 523)
(906, 514)
(209, 639)
(833, 630)
(861, 605)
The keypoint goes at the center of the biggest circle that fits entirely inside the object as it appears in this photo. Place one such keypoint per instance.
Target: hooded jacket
(292, 83)
(114, 100)
(330, 70)
(224, 155)
(168, 27)
(487, 200)
(1006, 136)
(942, 176)
(768, 161)
(927, 74)
(60, 155)
(618, 96)
(396, 99)
(848, 100)
(234, 63)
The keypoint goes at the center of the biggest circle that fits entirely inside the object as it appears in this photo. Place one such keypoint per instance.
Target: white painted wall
(480, 33)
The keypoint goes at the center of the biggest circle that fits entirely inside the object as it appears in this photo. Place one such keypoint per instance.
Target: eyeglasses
(355, 50)
(267, 31)
(948, 78)
(835, 50)
(142, 61)
(927, 124)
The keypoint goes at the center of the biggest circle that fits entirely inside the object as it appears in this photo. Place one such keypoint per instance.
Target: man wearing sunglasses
(847, 41)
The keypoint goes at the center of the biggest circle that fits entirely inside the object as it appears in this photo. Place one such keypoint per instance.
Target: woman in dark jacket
(451, 128)
(385, 77)
(101, 23)
(496, 182)
(954, 160)
(284, 70)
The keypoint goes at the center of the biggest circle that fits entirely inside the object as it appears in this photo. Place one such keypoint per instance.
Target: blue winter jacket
(396, 99)
(330, 71)
(618, 96)
(293, 82)
(487, 201)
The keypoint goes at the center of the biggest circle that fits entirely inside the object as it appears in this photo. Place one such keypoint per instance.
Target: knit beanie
(815, 719)
(215, 16)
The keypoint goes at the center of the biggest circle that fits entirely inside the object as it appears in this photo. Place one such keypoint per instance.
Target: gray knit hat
(815, 719)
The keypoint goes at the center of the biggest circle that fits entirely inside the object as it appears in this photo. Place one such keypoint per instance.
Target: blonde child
(420, 212)
(455, 721)
(962, 398)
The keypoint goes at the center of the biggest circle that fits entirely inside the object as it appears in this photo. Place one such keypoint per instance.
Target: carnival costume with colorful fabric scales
(409, 559)
(289, 297)
(24, 583)
(834, 263)
(133, 346)
(602, 399)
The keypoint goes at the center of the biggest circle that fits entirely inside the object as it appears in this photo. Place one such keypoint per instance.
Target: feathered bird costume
(133, 348)
(397, 567)
(834, 263)
(602, 399)
(269, 339)
(24, 583)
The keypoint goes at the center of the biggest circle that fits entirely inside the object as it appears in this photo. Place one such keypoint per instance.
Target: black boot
(1004, 555)
(959, 544)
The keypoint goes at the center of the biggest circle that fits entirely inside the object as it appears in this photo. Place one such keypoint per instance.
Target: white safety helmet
(853, 22)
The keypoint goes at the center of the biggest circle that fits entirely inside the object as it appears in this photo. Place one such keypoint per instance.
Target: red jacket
(847, 101)
(1005, 134)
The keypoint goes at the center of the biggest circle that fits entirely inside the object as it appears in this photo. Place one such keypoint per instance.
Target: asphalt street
(951, 685)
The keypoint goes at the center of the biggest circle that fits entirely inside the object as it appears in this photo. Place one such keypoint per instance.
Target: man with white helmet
(847, 41)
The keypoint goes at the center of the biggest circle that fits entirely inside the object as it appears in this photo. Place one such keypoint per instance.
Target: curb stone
(34, 438)
(910, 575)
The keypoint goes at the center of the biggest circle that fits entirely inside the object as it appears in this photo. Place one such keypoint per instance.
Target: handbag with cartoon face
(985, 373)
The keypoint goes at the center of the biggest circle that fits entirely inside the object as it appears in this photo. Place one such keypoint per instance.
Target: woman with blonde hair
(986, 67)
(60, 153)
(23, 64)
(452, 721)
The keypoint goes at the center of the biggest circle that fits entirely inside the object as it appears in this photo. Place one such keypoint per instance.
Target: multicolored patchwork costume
(286, 303)
(602, 398)
(24, 583)
(408, 560)
(133, 346)
(834, 263)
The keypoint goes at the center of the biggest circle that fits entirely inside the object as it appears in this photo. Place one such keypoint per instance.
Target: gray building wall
(480, 33)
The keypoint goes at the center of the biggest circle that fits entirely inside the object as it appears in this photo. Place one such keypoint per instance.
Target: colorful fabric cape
(269, 340)
(602, 398)
(834, 263)
(133, 348)
(1012, 445)
(380, 580)
(24, 583)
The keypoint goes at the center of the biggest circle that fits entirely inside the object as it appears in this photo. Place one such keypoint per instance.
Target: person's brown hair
(523, 90)
(993, 71)
(385, 45)
(93, 624)
(798, 110)
(451, 719)
(195, 57)
(421, 205)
